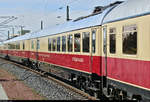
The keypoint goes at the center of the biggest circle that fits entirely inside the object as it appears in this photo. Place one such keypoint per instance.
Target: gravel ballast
(47, 88)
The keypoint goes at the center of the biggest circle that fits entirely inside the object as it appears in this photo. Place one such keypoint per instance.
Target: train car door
(94, 33)
(37, 51)
(104, 67)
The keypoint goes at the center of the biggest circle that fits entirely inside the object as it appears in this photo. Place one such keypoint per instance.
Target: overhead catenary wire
(58, 9)
(7, 20)
(62, 7)
(73, 4)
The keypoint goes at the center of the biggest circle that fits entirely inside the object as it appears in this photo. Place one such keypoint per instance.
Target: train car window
(23, 46)
(58, 43)
(18, 45)
(70, 42)
(64, 43)
(104, 40)
(129, 39)
(77, 40)
(5, 46)
(38, 44)
(13, 46)
(49, 44)
(54, 44)
(86, 41)
(9, 46)
(112, 40)
(93, 41)
(32, 44)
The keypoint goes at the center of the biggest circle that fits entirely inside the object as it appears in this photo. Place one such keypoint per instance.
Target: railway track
(51, 77)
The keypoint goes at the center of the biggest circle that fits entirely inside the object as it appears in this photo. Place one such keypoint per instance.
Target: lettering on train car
(75, 59)
(43, 55)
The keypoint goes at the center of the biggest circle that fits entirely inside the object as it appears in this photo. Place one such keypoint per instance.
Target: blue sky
(31, 12)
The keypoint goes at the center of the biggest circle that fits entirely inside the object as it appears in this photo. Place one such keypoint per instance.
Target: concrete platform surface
(3, 95)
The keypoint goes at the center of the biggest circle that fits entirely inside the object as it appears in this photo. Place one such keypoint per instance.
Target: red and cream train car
(104, 54)
(70, 50)
(126, 49)
(14, 49)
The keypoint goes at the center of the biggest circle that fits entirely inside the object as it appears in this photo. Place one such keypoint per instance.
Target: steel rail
(82, 93)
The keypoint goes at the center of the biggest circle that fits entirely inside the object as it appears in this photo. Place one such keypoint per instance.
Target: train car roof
(67, 26)
(19, 38)
(128, 9)
(74, 25)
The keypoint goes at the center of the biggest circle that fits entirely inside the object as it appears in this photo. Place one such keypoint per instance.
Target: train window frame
(70, 43)
(105, 40)
(32, 44)
(112, 32)
(84, 47)
(130, 31)
(58, 43)
(79, 43)
(38, 44)
(18, 45)
(93, 49)
(49, 44)
(23, 45)
(54, 45)
(13, 46)
(10, 46)
(64, 44)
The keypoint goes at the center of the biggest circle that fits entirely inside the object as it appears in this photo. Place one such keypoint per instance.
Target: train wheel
(7, 57)
(137, 98)
(83, 86)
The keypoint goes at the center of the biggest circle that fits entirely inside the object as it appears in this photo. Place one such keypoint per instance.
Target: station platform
(3, 95)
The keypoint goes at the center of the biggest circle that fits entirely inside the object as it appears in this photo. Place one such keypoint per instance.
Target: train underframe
(97, 86)
(88, 82)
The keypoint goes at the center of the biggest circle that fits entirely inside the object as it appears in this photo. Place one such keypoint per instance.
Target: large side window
(14, 46)
(64, 43)
(17, 45)
(112, 40)
(32, 44)
(38, 44)
(77, 40)
(86, 41)
(58, 43)
(129, 39)
(93, 41)
(104, 40)
(9, 46)
(23, 45)
(49, 44)
(70, 42)
(54, 44)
